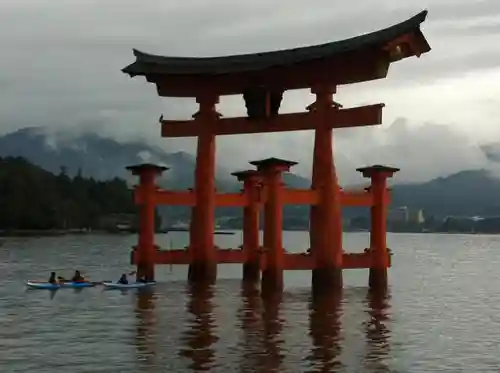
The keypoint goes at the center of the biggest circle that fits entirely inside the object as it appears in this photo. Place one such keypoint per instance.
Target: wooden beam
(292, 261)
(290, 197)
(356, 198)
(300, 197)
(188, 198)
(310, 197)
(231, 199)
(338, 118)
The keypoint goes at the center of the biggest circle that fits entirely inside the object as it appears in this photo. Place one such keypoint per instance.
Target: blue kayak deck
(47, 285)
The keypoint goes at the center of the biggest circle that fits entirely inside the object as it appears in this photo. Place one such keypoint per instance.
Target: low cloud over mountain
(472, 191)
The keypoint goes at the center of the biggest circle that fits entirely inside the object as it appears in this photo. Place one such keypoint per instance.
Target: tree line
(33, 198)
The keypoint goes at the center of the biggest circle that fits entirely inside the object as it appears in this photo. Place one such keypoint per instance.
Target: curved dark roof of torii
(153, 64)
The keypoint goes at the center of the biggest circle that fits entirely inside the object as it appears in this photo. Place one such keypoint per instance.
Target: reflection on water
(262, 346)
(377, 331)
(324, 330)
(273, 325)
(251, 346)
(441, 315)
(199, 335)
(146, 328)
(261, 322)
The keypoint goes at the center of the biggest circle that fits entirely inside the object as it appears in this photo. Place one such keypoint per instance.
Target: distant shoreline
(56, 232)
(62, 232)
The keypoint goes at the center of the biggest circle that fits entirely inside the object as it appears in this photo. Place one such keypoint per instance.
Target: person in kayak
(52, 279)
(78, 277)
(123, 280)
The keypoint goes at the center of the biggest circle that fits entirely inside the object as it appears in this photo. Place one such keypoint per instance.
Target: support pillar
(271, 170)
(251, 241)
(325, 217)
(192, 229)
(378, 233)
(203, 265)
(146, 248)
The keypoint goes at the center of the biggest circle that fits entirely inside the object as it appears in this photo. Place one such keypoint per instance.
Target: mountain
(102, 158)
(34, 198)
(473, 192)
(466, 193)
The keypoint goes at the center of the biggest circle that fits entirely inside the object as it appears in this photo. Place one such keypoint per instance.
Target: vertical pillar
(251, 241)
(271, 170)
(326, 218)
(192, 229)
(146, 249)
(203, 265)
(378, 233)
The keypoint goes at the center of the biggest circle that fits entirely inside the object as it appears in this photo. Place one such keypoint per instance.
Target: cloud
(62, 59)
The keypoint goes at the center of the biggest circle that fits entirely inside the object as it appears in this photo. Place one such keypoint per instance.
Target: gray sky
(61, 62)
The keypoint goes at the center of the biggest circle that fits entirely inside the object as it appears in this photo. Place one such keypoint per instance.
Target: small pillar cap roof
(242, 175)
(144, 167)
(270, 162)
(375, 169)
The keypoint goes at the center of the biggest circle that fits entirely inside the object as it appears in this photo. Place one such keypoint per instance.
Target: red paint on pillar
(192, 231)
(251, 241)
(146, 248)
(204, 262)
(378, 235)
(272, 169)
(273, 220)
(326, 216)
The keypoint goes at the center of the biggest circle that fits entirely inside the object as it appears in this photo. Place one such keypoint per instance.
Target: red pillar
(251, 242)
(192, 229)
(203, 265)
(271, 170)
(326, 217)
(146, 249)
(378, 234)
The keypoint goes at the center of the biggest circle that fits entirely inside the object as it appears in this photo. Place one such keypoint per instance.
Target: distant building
(416, 216)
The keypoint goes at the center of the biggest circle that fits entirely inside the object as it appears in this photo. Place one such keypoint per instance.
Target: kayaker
(78, 277)
(52, 279)
(123, 280)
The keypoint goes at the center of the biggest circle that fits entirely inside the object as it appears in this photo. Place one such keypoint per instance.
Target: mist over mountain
(468, 192)
(104, 158)
(492, 151)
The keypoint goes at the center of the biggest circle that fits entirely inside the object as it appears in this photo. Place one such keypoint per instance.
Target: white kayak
(131, 285)
(49, 286)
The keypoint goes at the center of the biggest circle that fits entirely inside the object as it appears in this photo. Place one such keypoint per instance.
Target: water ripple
(441, 314)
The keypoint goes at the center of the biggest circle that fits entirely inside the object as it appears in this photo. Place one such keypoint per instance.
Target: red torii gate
(262, 79)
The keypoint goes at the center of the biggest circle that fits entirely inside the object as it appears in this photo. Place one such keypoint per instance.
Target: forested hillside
(33, 198)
